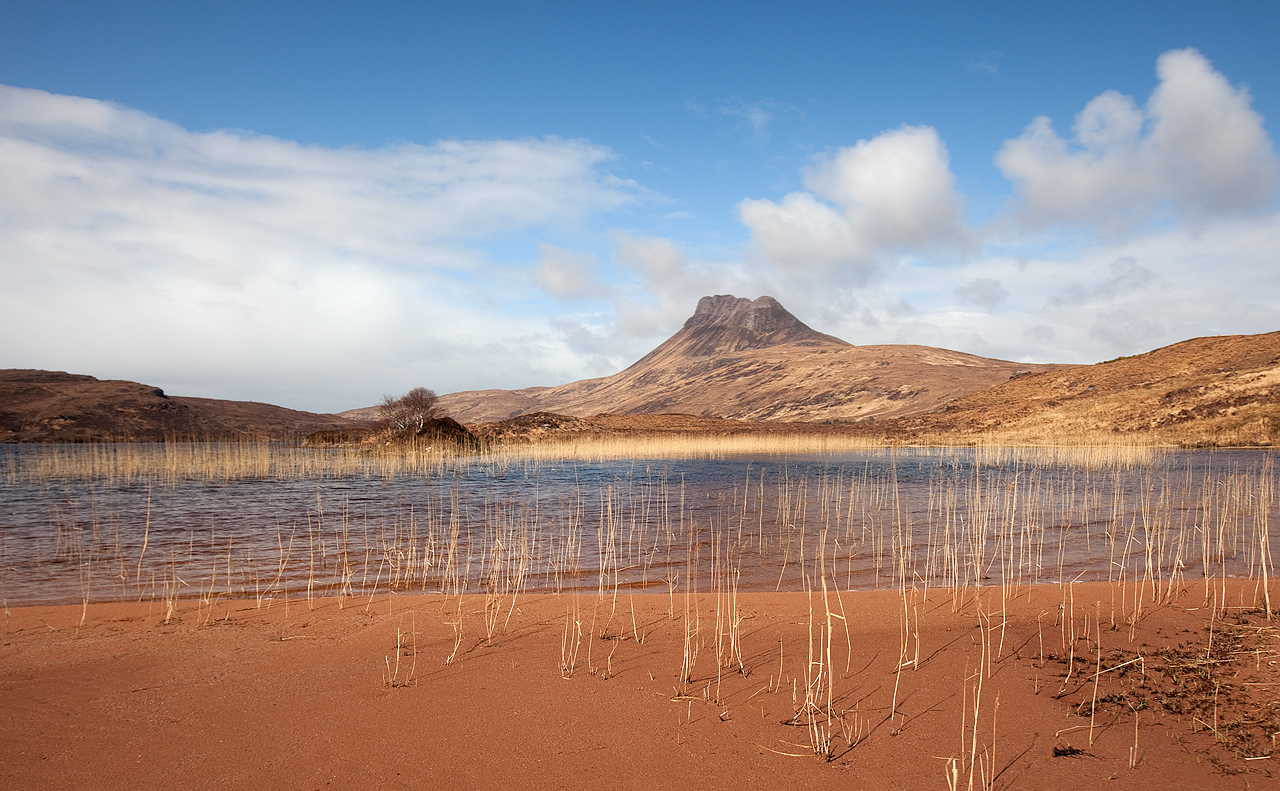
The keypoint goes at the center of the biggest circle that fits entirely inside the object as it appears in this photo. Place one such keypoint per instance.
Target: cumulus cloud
(1083, 304)
(1197, 148)
(892, 193)
(665, 284)
(1189, 177)
(251, 258)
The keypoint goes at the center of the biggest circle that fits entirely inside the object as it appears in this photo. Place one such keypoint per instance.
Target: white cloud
(258, 267)
(234, 265)
(893, 193)
(1084, 304)
(856, 253)
(1198, 149)
(665, 285)
(803, 233)
(565, 274)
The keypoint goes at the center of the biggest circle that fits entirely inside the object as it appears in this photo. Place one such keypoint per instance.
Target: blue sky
(315, 204)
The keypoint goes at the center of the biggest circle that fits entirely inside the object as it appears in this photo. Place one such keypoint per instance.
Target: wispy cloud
(987, 63)
(755, 115)
(567, 275)
(247, 258)
(695, 107)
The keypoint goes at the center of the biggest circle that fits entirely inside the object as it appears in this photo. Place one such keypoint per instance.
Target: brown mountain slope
(744, 359)
(1219, 390)
(53, 406)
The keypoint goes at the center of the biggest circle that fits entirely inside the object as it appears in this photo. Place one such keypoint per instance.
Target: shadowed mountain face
(53, 406)
(752, 359)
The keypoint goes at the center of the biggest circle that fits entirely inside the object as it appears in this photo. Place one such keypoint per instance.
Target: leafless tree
(409, 413)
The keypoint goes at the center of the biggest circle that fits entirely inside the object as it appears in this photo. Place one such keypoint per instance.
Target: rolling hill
(753, 360)
(1222, 390)
(54, 406)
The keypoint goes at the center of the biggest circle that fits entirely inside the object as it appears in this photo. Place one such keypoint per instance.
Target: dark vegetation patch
(1217, 691)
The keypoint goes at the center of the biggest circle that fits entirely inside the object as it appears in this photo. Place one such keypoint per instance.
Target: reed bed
(123, 464)
(958, 519)
(1097, 453)
(681, 446)
(171, 462)
(167, 464)
(1094, 456)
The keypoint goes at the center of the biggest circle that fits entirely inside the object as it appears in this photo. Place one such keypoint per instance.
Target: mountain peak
(724, 324)
(752, 359)
(726, 308)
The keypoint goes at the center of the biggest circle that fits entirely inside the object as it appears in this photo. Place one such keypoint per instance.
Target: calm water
(865, 520)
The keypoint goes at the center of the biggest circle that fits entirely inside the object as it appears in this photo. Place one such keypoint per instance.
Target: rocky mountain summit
(752, 359)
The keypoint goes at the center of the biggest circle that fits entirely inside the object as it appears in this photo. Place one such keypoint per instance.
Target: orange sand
(310, 697)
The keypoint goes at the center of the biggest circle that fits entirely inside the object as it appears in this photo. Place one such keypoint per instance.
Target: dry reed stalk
(572, 640)
(1097, 674)
(692, 625)
(827, 666)
(951, 773)
(457, 625)
(983, 671)
(1133, 751)
(87, 575)
(1264, 550)
(146, 535)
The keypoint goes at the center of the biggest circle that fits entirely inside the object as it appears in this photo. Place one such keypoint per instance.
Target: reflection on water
(931, 517)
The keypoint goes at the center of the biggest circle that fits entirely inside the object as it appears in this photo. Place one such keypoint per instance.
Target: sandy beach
(582, 692)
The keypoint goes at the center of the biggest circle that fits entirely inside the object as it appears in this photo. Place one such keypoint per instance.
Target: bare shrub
(408, 415)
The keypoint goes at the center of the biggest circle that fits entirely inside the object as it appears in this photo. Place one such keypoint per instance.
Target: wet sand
(358, 694)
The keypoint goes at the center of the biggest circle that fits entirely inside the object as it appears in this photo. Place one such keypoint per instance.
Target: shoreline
(565, 690)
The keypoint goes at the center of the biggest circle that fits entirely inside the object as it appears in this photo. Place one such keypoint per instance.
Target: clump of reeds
(406, 642)
(168, 463)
